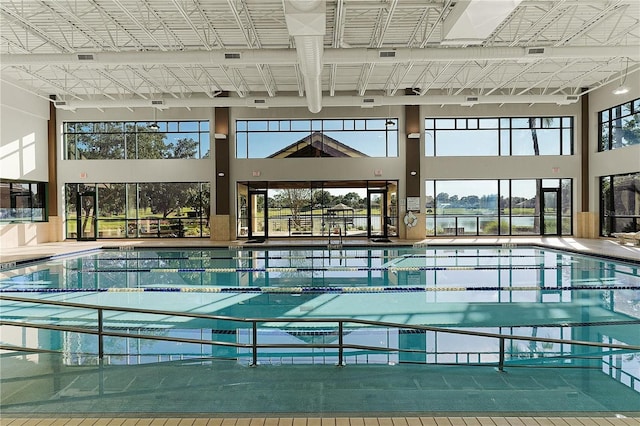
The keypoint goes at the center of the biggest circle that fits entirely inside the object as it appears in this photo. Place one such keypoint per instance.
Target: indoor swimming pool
(262, 330)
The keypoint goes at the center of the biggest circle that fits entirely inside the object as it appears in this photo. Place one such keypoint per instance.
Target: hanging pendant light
(622, 89)
(154, 126)
(389, 121)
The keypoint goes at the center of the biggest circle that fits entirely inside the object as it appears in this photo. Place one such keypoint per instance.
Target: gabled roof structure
(317, 144)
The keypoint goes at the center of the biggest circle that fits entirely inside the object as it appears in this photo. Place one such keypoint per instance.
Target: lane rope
(327, 269)
(315, 290)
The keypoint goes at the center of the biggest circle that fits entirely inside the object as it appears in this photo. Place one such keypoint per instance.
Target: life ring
(410, 219)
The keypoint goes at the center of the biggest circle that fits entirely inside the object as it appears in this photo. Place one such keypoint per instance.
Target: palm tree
(546, 122)
(534, 135)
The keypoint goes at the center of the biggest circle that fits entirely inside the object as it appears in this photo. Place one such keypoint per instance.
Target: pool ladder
(334, 246)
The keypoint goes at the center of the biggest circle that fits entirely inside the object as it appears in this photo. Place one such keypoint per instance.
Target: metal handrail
(339, 245)
(254, 346)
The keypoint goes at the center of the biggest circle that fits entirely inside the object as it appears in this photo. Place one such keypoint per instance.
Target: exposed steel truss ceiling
(186, 53)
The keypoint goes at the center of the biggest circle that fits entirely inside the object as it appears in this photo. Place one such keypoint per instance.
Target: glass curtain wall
(620, 203)
(312, 209)
(458, 137)
(143, 210)
(349, 138)
(116, 140)
(496, 207)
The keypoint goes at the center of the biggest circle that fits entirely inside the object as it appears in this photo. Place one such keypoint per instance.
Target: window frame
(504, 127)
(129, 132)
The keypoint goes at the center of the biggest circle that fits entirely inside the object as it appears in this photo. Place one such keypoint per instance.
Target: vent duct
(60, 103)
(260, 103)
(157, 102)
(387, 54)
(306, 21)
(85, 57)
(368, 103)
(232, 55)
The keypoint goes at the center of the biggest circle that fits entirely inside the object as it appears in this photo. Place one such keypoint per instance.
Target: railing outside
(254, 346)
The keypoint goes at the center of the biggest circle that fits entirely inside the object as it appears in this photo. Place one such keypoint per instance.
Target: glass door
(86, 214)
(257, 214)
(376, 213)
(550, 211)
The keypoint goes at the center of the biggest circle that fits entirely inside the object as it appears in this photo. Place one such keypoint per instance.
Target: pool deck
(600, 247)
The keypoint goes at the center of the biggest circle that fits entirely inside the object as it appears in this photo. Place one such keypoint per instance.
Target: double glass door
(316, 209)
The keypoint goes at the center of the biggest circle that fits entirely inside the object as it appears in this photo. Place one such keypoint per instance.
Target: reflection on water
(519, 291)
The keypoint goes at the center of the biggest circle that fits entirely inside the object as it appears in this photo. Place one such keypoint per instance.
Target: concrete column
(221, 220)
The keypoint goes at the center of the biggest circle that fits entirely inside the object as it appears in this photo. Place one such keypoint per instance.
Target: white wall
(617, 161)
(23, 155)
(23, 135)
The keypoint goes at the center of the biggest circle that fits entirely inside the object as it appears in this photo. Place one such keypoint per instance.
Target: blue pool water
(518, 291)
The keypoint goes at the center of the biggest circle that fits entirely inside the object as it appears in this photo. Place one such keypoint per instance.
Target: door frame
(543, 192)
(250, 212)
(79, 215)
(383, 212)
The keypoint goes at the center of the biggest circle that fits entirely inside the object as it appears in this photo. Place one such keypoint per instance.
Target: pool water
(521, 291)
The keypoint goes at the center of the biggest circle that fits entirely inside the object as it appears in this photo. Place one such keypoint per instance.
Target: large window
(619, 126)
(499, 207)
(498, 136)
(620, 203)
(22, 201)
(136, 210)
(316, 138)
(117, 140)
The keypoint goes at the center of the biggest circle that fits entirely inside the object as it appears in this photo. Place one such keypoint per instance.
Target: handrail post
(254, 344)
(501, 361)
(340, 343)
(100, 337)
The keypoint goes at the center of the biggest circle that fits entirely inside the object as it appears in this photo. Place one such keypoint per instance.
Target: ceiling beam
(335, 101)
(331, 56)
(253, 42)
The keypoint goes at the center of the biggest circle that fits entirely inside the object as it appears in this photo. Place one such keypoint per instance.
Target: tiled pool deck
(602, 246)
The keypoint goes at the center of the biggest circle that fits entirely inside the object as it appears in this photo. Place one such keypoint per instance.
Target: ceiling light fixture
(622, 89)
(389, 121)
(154, 126)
